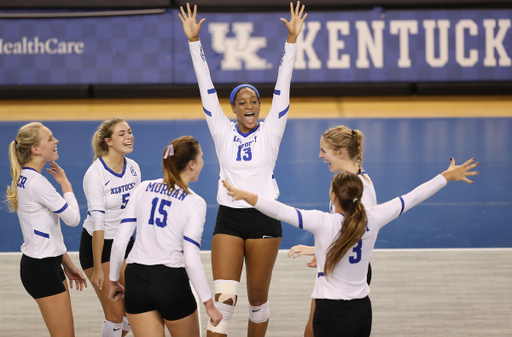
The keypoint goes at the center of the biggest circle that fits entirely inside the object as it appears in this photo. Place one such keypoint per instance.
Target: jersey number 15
(160, 222)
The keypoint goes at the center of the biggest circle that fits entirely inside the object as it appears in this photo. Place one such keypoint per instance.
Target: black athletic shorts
(85, 250)
(161, 288)
(42, 277)
(340, 318)
(246, 223)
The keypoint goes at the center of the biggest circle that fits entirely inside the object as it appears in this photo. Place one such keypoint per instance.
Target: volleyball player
(342, 148)
(247, 151)
(344, 242)
(40, 208)
(169, 218)
(108, 184)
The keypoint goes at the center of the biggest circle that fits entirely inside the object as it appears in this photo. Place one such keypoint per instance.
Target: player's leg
(260, 257)
(308, 331)
(57, 313)
(113, 311)
(227, 263)
(185, 327)
(149, 323)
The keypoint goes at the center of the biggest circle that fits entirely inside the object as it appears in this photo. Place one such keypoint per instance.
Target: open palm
(190, 25)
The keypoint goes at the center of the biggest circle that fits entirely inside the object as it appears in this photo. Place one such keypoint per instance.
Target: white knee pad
(260, 313)
(227, 290)
(126, 324)
(111, 329)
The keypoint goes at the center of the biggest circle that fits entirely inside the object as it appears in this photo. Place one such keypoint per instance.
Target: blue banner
(334, 47)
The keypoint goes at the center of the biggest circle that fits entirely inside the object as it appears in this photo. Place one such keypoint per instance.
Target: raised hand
(296, 20)
(461, 172)
(190, 25)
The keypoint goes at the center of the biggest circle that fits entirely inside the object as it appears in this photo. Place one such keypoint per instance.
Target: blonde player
(342, 148)
(247, 151)
(344, 242)
(40, 208)
(169, 218)
(108, 185)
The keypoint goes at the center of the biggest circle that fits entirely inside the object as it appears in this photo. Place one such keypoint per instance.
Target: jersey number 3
(358, 251)
(163, 212)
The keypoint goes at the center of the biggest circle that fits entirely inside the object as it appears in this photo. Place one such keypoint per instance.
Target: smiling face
(47, 147)
(331, 156)
(121, 140)
(247, 109)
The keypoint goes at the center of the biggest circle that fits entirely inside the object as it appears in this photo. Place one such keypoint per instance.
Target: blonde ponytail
(20, 153)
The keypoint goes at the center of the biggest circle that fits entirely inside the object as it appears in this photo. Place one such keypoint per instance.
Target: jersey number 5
(163, 212)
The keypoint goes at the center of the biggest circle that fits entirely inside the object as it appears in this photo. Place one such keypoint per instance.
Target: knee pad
(111, 329)
(227, 290)
(126, 324)
(260, 313)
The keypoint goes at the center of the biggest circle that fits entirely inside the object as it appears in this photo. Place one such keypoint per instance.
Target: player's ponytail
(348, 189)
(176, 157)
(20, 153)
(342, 137)
(99, 146)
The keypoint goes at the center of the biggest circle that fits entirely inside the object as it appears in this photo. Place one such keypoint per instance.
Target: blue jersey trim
(248, 133)
(44, 235)
(277, 92)
(186, 238)
(403, 205)
(301, 225)
(96, 210)
(282, 113)
(30, 168)
(320, 274)
(129, 220)
(62, 209)
(207, 112)
(211, 91)
(119, 175)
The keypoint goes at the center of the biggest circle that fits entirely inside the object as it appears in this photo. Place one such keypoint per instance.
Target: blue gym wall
(399, 154)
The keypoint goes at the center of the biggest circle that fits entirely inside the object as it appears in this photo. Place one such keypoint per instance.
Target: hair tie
(16, 142)
(169, 151)
(233, 93)
(355, 199)
(353, 133)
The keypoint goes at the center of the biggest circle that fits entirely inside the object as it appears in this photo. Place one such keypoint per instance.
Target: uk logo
(132, 171)
(241, 48)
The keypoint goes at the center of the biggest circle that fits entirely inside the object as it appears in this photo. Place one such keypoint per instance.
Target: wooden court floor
(423, 293)
(414, 293)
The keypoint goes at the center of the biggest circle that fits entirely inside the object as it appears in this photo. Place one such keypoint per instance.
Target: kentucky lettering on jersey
(122, 189)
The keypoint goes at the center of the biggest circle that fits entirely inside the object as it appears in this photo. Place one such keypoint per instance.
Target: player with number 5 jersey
(108, 185)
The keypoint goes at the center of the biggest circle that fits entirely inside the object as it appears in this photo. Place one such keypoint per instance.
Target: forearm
(97, 248)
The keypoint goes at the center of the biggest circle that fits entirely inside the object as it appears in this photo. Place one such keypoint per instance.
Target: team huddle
(143, 283)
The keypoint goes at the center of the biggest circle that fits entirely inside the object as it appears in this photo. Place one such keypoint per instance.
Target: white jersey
(169, 229)
(39, 208)
(246, 160)
(107, 194)
(369, 197)
(348, 280)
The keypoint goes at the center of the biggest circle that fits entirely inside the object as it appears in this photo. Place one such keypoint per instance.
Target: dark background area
(298, 89)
